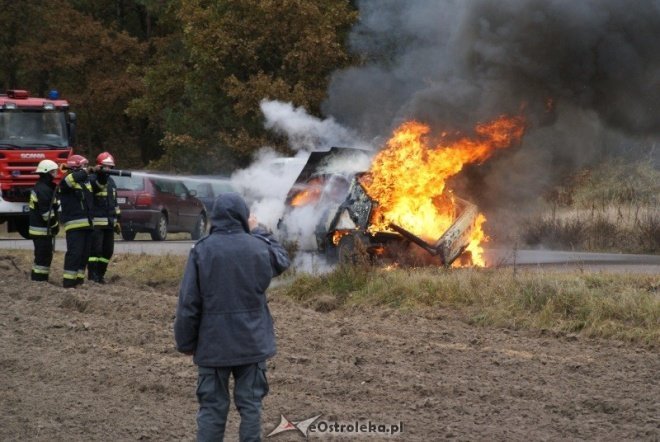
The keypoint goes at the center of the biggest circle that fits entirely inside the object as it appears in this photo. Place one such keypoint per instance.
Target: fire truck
(31, 129)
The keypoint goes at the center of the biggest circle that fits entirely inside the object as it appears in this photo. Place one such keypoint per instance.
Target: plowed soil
(98, 363)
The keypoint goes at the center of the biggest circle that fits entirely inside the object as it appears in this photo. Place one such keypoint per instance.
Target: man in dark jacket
(43, 219)
(223, 320)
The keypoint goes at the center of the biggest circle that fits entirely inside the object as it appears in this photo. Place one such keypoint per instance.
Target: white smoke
(312, 263)
(267, 181)
(306, 132)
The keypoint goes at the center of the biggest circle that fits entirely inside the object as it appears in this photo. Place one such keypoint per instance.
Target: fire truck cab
(31, 129)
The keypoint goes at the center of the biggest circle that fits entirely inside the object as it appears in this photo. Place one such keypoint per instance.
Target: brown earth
(98, 363)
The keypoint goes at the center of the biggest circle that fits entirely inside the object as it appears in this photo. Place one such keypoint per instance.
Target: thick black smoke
(586, 73)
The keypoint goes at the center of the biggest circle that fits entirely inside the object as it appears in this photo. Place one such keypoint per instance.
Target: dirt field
(98, 363)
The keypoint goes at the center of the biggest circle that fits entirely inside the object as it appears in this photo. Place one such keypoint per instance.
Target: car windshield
(209, 187)
(29, 129)
(129, 183)
(203, 189)
(219, 187)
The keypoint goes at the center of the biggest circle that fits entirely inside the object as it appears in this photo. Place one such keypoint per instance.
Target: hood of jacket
(230, 214)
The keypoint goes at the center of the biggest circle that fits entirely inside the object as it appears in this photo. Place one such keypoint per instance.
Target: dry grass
(605, 305)
(129, 269)
(612, 228)
(620, 306)
(150, 270)
(613, 207)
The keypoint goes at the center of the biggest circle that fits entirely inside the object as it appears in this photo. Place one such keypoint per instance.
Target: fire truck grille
(23, 165)
(17, 194)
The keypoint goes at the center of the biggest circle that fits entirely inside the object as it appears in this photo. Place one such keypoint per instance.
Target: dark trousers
(78, 245)
(43, 256)
(103, 246)
(250, 387)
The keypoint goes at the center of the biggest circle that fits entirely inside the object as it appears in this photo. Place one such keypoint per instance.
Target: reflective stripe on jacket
(43, 206)
(106, 210)
(77, 201)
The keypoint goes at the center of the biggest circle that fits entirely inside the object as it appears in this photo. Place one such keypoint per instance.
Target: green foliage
(139, 18)
(177, 84)
(50, 44)
(222, 58)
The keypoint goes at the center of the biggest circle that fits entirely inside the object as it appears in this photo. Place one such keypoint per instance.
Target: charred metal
(344, 212)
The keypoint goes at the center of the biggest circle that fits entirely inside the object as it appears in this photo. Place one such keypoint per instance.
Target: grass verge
(608, 305)
(616, 306)
(162, 271)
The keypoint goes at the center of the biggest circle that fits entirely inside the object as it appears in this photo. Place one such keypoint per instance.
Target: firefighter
(77, 202)
(106, 218)
(43, 219)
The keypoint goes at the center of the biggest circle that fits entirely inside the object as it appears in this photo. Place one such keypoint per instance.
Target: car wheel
(128, 235)
(160, 233)
(200, 228)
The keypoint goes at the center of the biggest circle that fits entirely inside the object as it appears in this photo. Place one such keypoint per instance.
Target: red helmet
(105, 159)
(76, 162)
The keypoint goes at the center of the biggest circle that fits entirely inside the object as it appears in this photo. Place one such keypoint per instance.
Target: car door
(168, 200)
(188, 206)
(204, 193)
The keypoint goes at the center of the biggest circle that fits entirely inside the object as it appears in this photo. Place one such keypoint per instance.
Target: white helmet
(46, 166)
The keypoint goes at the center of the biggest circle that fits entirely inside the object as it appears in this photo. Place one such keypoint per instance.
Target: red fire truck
(31, 129)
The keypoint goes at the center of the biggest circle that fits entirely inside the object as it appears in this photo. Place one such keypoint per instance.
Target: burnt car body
(158, 206)
(343, 213)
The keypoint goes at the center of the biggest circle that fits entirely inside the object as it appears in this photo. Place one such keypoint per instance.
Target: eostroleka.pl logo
(287, 425)
(311, 425)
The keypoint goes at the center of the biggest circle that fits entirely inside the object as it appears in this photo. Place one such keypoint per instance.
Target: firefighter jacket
(106, 210)
(223, 314)
(77, 201)
(43, 207)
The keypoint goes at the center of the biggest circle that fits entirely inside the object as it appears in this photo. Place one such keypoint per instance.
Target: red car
(158, 206)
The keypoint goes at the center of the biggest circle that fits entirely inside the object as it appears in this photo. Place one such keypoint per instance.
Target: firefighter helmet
(76, 162)
(105, 159)
(46, 166)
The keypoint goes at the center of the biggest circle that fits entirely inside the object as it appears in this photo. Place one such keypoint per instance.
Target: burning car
(344, 215)
(347, 200)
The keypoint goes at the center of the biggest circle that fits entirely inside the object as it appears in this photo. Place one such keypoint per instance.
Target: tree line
(175, 85)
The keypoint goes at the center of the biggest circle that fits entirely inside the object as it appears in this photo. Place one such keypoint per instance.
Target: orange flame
(310, 194)
(408, 177)
(338, 235)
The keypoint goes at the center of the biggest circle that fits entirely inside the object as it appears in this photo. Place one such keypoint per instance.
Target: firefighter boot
(39, 273)
(80, 277)
(39, 277)
(69, 283)
(100, 271)
(92, 269)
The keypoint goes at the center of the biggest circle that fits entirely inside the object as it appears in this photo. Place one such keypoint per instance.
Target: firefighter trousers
(43, 256)
(78, 245)
(103, 246)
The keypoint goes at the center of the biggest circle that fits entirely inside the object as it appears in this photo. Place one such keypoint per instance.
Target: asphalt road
(548, 259)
